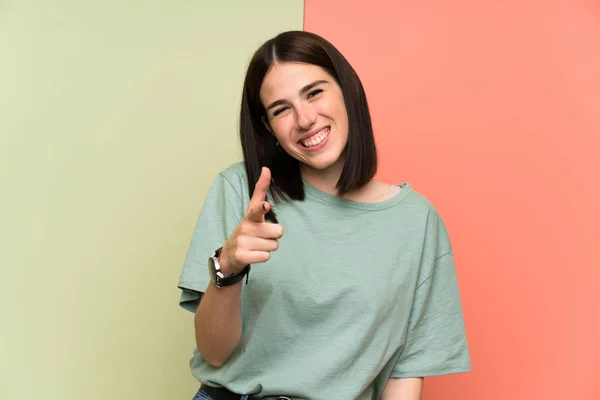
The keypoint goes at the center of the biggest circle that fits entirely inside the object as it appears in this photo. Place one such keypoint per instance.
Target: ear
(264, 121)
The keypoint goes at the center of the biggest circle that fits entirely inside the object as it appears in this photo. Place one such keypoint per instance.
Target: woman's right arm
(218, 323)
(218, 320)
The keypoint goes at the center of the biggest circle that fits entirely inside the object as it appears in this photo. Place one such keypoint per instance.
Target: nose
(306, 117)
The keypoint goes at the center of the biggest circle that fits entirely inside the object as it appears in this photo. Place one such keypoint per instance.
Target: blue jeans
(201, 395)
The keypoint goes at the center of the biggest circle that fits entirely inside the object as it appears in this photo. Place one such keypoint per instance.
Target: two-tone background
(116, 116)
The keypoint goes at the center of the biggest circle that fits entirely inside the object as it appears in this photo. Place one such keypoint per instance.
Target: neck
(324, 179)
(327, 179)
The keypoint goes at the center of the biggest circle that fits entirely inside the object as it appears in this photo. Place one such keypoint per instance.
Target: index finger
(255, 207)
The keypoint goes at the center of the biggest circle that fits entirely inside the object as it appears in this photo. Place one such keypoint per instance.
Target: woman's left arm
(403, 389)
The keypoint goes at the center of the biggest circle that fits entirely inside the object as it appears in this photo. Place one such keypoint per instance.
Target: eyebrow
(302, 91)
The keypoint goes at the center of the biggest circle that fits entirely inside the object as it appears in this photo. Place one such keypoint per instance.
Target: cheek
(341, 116)
(279, 128)
(337, 110)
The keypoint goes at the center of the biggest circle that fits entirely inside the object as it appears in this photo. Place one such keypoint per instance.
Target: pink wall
(492, 110)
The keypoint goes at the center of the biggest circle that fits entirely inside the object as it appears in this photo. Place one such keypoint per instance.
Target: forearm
(218, 323)
(403, 389)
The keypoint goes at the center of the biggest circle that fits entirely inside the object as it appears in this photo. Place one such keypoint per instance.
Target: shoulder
(419, 202)
(430, 216)
(228, 189)
(237, 169)
(234, 172)
(235, 176)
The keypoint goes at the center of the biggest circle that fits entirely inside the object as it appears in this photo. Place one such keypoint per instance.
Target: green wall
(114, 119)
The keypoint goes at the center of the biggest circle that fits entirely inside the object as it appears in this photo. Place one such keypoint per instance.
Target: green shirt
(357, 293)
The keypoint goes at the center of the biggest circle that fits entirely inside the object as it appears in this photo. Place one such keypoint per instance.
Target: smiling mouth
(316, 139)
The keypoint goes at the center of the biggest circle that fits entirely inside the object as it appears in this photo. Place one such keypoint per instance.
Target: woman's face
(306, 113)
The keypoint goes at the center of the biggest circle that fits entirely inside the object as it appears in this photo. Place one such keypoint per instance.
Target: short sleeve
(435, 342)
(221, 213)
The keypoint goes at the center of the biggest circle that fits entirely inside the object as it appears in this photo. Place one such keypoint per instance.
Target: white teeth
(315, 140)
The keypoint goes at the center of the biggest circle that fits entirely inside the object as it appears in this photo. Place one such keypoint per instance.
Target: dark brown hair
(259, 145)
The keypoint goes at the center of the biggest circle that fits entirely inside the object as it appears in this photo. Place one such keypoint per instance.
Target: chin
(323, 164)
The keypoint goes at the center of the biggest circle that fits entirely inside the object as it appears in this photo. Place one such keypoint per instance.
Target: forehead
(286, 79)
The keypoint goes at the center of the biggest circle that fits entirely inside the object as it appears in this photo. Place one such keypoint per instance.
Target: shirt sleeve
(221, 213)
(435, 342)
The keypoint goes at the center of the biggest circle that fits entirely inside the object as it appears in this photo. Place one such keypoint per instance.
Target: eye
(314, 93)
(279, 111)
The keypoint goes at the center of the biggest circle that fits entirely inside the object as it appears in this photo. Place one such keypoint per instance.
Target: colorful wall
(114, 119)
(492, 110)
(115, 116)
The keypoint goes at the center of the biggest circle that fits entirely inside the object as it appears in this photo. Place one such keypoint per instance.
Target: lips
(314, 138)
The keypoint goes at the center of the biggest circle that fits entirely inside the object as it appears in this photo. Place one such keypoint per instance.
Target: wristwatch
(216, 275)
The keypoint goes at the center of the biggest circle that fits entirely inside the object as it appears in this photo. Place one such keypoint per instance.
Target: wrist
(226, 267)
(222, 272)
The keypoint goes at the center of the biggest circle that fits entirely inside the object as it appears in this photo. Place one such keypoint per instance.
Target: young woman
(317, 281)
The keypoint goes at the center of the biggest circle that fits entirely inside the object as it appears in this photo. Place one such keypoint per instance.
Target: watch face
(212, 270)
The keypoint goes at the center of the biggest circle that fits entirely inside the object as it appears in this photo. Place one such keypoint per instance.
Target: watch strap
(221, 280)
